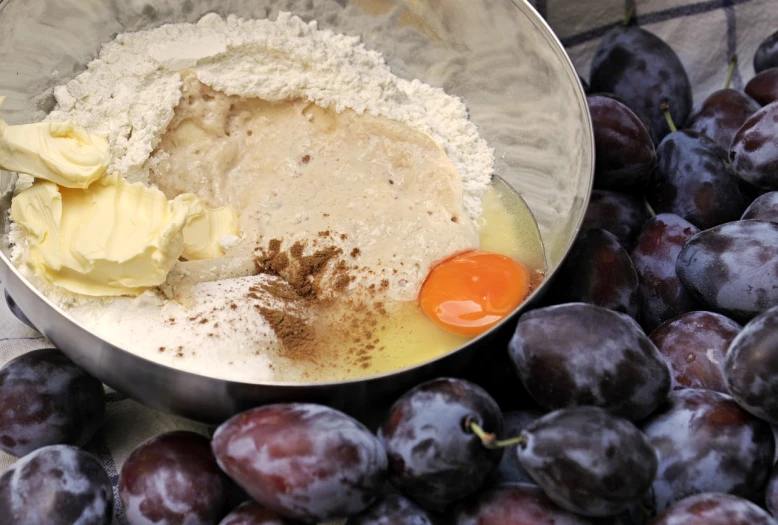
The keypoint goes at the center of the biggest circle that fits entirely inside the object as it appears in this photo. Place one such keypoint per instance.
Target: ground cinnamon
(344, 329)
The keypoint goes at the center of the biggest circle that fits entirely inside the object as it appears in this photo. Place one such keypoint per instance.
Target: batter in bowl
(361, 202)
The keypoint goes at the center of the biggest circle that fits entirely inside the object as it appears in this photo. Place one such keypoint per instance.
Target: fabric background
(705, 34)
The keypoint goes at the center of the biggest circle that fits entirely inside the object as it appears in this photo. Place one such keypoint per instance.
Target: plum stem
(731, 73)
(630, 15)
(490, 441)
(669, 117)
(651, 211)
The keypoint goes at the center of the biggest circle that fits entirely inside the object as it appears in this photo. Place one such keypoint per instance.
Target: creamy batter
(295, 170)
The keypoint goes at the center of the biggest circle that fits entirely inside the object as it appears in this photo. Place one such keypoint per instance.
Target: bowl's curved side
(540, 127)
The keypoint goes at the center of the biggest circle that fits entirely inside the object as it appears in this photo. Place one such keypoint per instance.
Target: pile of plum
(649, 375)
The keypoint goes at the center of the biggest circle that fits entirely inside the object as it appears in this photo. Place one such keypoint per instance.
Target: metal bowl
(499, 55)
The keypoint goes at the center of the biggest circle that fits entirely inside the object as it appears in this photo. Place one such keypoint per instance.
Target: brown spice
(203, 321)
(317, 283)
(297, 250)
(342, 281)
(295, 334)
(306, 159)
(273, 260)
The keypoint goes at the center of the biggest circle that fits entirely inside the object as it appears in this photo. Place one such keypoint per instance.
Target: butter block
(113, 238)
(203, 232)
(60, 152)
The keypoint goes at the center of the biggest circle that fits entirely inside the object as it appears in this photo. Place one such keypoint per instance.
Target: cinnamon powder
(341, 329)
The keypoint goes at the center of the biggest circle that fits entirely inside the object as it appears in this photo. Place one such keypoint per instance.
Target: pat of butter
(113, 238)
(60, 152)
(205, 228)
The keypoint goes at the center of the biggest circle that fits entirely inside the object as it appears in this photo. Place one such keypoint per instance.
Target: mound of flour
(129, 92)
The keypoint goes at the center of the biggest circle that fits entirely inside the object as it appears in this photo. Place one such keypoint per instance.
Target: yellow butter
(205, 228)
(113, 238)
(61, 152)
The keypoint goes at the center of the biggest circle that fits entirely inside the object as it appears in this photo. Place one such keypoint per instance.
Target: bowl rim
(555, 42)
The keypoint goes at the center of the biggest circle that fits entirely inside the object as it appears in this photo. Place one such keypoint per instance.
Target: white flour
(130, 91)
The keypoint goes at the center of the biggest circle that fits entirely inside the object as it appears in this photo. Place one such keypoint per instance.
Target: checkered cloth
(705, 34)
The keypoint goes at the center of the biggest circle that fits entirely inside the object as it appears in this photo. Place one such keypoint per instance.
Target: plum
(695, 345)
(763, 88)
(749, 371)
(732, 268)
(56, 485)
(564, 361)
(618, 213)
(643, 71)
(514, 503)
(588, 461)
(707, 443)
(45, 399)
(302, 461)
(694, 180)
(173, 479)
(714, 509)
(598, 271)
(766, 55)
(662, 294)
(764, 208)
(392, 509)
(721, 115)
(754, 149)
(625, 155)
(434, 457)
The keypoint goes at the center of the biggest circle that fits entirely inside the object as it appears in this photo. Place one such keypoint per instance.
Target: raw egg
(471, 292)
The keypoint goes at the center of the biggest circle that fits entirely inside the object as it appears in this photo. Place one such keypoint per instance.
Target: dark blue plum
(621, 214)
(707, 443)
(764, 208)
(514, 503)
(173, 478)
(714, 509)
(303, 461)
(763, 88)
(588, 461)
(625, 154)
(580, 354)
(751, 367)
(732, 268)
(434, 457)
(754, 150)
(721, 115)
(643, 71)
(693, 180)
(695, 345)
(45, 399)
(56, 485)
(766, 55)
(662, 295)
(392, 509)
(598, 271)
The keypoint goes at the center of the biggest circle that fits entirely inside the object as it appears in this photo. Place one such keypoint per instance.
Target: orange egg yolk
(471, 292)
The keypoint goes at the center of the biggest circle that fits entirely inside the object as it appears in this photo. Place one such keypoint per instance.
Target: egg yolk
(471, 292)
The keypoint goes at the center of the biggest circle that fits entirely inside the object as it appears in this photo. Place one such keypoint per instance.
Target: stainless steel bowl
(499, 55)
